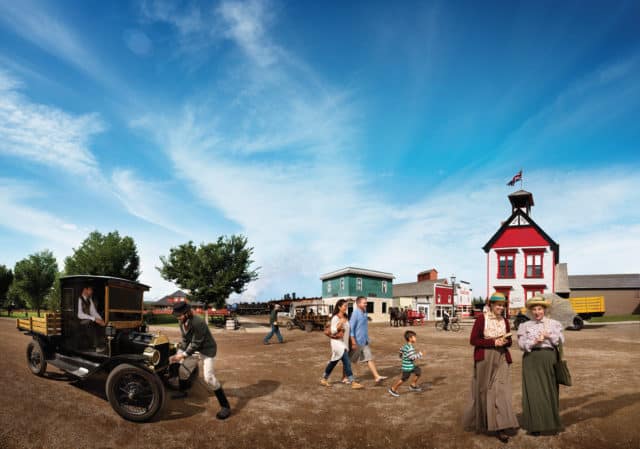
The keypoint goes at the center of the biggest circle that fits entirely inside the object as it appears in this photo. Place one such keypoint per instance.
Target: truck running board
(73, 365)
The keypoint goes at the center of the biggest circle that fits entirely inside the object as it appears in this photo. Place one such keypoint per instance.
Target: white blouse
(338, 346)
(530, 331)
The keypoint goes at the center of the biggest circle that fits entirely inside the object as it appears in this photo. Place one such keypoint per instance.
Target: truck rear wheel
(578, 323)
(35, 358)
(134, 393)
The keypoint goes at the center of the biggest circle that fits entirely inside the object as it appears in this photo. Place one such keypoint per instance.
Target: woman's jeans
(346, 363)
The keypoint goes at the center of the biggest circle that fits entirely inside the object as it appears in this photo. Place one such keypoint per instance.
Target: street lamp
(453, 292)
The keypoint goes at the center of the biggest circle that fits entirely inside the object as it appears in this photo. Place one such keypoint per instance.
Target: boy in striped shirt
(409, 355)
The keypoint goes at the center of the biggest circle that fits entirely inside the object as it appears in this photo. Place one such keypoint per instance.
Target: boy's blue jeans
(274, 330)
(346, 363)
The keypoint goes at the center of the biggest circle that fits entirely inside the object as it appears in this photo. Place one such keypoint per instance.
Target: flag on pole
(517, 177)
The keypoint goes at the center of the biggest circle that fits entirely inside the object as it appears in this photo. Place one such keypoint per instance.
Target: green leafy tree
(211, 272)
(34, 277)
(105, 255)
(52, 300)
(15, 298)
(6, 278)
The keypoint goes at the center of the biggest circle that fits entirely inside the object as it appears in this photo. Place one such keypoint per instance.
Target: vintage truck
(136, 361)
(586, 308)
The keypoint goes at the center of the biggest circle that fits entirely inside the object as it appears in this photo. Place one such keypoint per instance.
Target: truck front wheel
(134, 393)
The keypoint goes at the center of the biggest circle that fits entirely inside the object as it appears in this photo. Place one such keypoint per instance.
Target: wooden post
(106, 304)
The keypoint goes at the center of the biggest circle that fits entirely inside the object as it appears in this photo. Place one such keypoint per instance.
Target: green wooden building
(349, 283)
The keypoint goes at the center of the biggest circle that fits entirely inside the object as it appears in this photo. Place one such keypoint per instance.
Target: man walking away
(275, 329)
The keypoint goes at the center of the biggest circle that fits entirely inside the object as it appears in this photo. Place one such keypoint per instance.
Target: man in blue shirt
(360, 350)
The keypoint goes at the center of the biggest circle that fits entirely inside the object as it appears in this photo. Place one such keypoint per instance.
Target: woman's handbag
(563, 376)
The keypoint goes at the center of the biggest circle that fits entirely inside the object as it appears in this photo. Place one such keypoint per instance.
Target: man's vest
(86, 305)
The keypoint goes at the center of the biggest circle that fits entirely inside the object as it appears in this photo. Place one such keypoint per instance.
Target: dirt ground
(277, 401)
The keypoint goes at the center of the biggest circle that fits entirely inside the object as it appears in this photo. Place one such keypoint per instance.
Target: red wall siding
(444, 293)
(520, 236)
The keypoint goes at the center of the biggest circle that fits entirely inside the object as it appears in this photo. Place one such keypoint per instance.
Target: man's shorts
(361, 354)
(406, 374)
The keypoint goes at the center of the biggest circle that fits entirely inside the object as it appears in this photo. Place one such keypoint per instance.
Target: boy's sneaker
(416, 389)
(325, 383)
(356, 386)
(395, 394)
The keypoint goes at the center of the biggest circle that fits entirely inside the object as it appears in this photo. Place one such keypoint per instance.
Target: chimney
(428, 275)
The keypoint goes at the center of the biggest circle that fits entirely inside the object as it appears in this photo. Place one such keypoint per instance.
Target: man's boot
(182, 390)
(225, 408)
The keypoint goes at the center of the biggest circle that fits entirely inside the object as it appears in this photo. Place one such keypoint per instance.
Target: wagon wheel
(289, 325)
(134, 393)
(454, 326)
(35, 358)
(308, 326)
(439, 325)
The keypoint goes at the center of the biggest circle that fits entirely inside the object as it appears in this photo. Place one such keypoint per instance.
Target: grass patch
(23, 314)
(612, 318)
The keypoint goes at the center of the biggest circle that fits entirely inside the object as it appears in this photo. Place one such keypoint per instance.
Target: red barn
(521, 257)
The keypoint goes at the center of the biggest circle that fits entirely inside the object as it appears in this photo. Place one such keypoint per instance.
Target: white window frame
(329, 287)
(359, 284)
(384, 286)
(341, 283)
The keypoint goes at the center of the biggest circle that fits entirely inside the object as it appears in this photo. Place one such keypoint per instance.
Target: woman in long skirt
(490, 409)
(538, 339)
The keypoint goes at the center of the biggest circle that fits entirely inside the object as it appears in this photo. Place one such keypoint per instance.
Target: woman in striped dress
(490, 409)
(538, 339)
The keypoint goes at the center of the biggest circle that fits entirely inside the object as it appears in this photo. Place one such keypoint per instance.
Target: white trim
(360, 271)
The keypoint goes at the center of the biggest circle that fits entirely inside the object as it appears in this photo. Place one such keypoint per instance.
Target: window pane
(369, 307)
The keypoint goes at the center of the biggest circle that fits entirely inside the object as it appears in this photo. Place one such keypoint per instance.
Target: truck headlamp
(151, 355)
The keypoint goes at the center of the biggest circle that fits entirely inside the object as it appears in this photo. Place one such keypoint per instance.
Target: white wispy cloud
(246, 23)
(149, 201)
(39, 24)
(45, 134)
(15, 214)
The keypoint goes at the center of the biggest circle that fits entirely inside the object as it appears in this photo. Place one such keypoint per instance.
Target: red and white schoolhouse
(521, 257)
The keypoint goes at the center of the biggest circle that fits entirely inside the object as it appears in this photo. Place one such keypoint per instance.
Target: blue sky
(371, 134)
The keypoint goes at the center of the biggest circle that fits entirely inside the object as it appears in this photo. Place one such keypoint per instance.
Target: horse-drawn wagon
(306, 317)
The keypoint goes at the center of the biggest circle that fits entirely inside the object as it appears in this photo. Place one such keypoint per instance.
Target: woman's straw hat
(538, 301)
(497, 297)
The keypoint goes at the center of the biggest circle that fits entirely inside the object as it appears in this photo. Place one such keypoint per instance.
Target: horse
(394, 316)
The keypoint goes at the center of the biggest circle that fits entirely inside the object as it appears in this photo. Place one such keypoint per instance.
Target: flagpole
(521, 180)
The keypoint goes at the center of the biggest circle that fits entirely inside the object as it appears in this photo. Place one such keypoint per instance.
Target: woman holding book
(538, 338)
(490, 410)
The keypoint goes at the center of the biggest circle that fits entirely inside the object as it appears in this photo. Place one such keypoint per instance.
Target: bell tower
(521, 200)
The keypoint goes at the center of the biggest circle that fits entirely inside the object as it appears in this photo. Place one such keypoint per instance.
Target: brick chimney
(428, 275)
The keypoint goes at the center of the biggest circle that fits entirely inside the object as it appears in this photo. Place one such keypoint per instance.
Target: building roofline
(554, 246)
(354, 270)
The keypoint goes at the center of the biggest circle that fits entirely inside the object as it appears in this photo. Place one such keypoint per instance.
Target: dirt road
(278, 402)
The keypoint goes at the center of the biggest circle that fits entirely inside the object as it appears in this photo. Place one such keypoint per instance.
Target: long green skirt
(540, 392)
